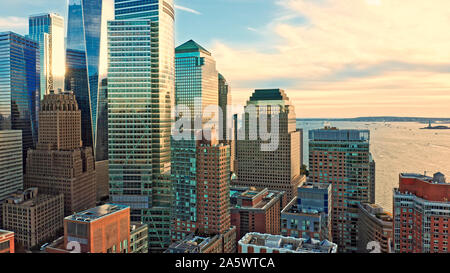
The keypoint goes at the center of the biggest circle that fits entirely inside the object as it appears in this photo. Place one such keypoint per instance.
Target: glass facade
(77, 82)
(224, 101)
(85, 33)
(196, 81)
(19, 87)
(141, 85)
(48, 31)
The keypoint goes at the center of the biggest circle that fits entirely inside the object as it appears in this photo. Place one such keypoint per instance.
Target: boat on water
(439, 127)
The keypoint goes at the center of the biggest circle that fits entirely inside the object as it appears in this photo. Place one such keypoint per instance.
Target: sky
(334, 58)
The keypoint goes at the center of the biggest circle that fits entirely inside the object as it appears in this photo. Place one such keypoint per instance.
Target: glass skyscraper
(196, 81)
(85, 35)
(19, 86)
(141, 77)
(48, 31)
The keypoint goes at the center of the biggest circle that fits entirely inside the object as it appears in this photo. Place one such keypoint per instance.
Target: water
(397, 147)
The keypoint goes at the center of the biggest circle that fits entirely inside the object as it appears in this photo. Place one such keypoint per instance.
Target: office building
(375, 225)
(141, 83)
(48, 31)
(266, 243)
(275, 167)
(211, 195)
(196, 85)
(34, 217)
(307, 216)
(421, 214)
(11, 169)
(86, 61)
(60, 164)
(341, 158)
(19, 87)
(224, 102)
(102, 229)
(138, 238)
(256, 210)
(6, 241)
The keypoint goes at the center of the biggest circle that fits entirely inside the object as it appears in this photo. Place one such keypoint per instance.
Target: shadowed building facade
(60, 163)
(86, 65)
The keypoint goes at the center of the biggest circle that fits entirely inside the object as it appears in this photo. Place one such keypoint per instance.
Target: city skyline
(345, 65)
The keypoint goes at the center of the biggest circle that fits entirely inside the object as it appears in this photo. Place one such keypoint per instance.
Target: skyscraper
(227, 118)
(342, 158)
(224, 101)
(48, 31)
(60, 164)
(196, 82)
(277, 169)
(19, 87)
(141, 82)
(87, 36)
(421, 214)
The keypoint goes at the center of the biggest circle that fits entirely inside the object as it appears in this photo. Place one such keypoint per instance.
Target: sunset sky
(334, 58)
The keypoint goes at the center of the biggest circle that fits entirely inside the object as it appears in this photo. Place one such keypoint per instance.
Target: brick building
(103, 229)
(6, 241)
(421, 214)
(256, 210)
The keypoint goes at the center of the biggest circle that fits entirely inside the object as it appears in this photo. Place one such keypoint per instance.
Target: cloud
(367, 56)
(187, 9)
(12, 22)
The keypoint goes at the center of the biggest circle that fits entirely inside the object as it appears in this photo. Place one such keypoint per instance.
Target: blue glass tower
(77, 82)
(140, 94)
(84, 34)
(19, 87)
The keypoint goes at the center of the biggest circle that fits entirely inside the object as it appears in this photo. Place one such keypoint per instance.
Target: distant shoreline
(381, 119)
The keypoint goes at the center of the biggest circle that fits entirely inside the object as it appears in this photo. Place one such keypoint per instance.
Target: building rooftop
(288, 244)
(377, 212)
(247, 197)
(191, 244)
(438, 178)
(5, 232)
(293, 208)
(96, 213)
(28, 198)
(191, 46)
(334, 134)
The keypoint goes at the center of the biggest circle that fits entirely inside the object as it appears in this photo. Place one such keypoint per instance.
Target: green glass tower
(141, 82)
(196, 85)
